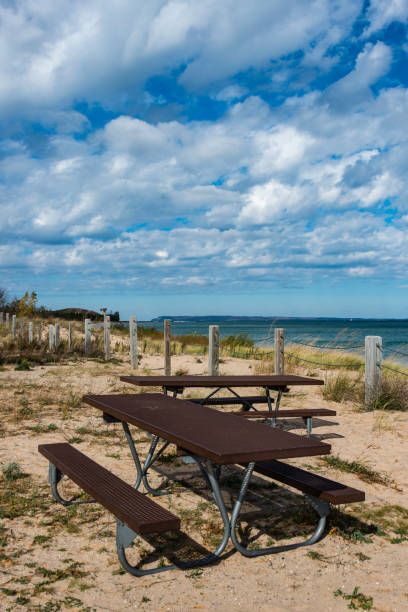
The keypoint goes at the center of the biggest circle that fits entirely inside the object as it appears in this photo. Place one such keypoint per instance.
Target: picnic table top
(271, 381)
(223, 438)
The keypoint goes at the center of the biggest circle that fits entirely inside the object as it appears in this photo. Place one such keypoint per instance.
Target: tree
(3, 298)
(26, 305)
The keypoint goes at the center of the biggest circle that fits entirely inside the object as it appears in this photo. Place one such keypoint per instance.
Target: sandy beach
(58, 558)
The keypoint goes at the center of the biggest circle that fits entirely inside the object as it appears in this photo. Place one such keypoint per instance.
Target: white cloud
(381, 14)
(371, 64)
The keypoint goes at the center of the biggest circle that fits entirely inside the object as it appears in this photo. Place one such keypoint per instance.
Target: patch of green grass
(43, 428)
(75, 440)
(357, 599)
(167, 458)
(361, 470)
(23, 366)
(313, 554)
(12, 471)
(41, 539)
(113, 455)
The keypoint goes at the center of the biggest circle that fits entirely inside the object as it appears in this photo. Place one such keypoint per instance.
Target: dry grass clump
(393, 395)
(296, 355)
(341, 387)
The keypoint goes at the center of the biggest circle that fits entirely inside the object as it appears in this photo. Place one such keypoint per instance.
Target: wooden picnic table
(213, 439)
(279, 383)
(223, 438)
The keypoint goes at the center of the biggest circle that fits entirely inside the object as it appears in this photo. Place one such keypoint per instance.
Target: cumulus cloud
(280, 183)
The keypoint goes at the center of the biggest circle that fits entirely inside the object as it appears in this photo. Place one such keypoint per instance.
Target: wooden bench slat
(270, 414)
(312, 484)
(140, 513)
(220, 401)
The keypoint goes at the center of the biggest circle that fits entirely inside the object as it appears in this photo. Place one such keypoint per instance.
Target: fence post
(167, 351)
(213, 350)
(51, 337)
(13, 326)
(57, 335)
(30, 332)
(7, 320)
(87, 336)
(1, 318)
(39, 333)
(279, 350)
(373, 369)
(22, 328)
(133, 342)
(106, 336)
(70, 336)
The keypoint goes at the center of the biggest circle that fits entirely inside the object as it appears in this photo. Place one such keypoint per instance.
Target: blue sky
(212, 157)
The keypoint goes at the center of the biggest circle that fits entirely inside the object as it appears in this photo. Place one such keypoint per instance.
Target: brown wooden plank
(270, 381)
(221, 437)
(279, 414)
(312, 484)
(231, 399)
(137, 511)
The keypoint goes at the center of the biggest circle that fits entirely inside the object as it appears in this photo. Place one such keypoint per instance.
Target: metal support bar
(125, 536)
(54, 477)
(322, 508)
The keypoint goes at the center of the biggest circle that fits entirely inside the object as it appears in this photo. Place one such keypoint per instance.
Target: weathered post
(133, 342)
(40, 333)
(13, 326)
(69, 336)
(1, 318)
(57, 335)
(87, 336)
(7, 321)
(167, 347)
(373, 369)
(279, 350)
(106, 336)
(213, 350)
(30, 332)
(22, 328)
(51, 340)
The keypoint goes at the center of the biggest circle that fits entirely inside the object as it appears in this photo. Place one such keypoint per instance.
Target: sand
(305, 579)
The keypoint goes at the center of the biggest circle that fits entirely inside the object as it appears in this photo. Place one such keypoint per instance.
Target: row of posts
(373, 347)
(35, 332)
(373, 358)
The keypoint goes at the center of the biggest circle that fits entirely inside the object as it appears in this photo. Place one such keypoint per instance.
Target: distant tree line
(26, 306)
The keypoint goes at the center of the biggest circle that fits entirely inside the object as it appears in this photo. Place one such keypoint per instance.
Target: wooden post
(133, 342)
(7, 320)
(57, 335)
(279, 350)
(167, 351)
(13, 326)
(70, 336)
(39, 333)
(30, 332)
(51, 337)
(1, 318)
(213, 350)
(373, 369)
(106, 336)
(22, 328)
(87, 336)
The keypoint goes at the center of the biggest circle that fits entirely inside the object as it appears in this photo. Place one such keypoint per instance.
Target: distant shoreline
(186, 318)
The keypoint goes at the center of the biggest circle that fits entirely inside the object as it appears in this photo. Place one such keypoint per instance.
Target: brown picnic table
(278, 383)
(213, 439)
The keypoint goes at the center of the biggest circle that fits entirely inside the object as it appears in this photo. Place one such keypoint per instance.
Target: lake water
(343, 333)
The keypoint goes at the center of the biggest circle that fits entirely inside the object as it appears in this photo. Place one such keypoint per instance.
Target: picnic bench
(278, 383)
(213, 439)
